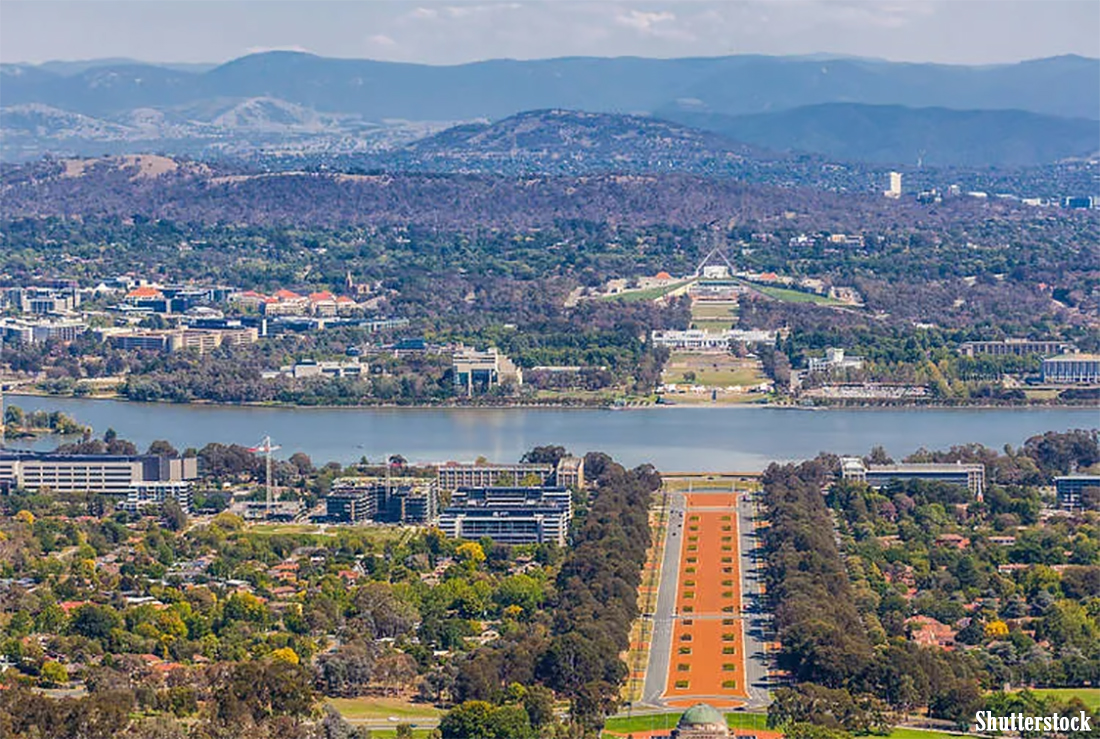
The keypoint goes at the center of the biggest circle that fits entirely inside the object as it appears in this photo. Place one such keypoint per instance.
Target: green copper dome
(701, 715)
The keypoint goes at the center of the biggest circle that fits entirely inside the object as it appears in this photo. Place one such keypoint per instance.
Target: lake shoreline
(687, 440)
(559, 406)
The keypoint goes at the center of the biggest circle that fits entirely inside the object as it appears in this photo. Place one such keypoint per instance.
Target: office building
(452, 476)
(17, 331)
(1071, 488)
(146, 497)
(173, 340)
(412, 505)
(834, 359)
(895, 186)
(568, 473)
(698, 340)
(847, 239)
(1071, 369)
(1080, 202)
(44, 300)
(169, 298)
(108, 474)
(351, 504)
(312, 368)
(970, 476)
(509, 515)
(479, 371)
(404, 500)
(1014, 347)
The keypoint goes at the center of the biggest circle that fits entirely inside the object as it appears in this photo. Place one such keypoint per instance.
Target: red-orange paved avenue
(708, 660)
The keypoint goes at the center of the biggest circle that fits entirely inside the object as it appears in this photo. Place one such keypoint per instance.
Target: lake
(672, 438)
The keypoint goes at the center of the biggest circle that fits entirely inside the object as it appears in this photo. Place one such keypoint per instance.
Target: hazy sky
(952, 31)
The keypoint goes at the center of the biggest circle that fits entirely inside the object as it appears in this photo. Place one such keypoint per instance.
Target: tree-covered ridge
(576, 650)
(933, 601)
(215, 628)
(931, 278)
(190, 192)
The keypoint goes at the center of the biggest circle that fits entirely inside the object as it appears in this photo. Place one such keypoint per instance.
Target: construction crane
(266, 448)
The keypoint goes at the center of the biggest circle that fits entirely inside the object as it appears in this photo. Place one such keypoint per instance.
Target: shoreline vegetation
(21, 425)
(584, 404)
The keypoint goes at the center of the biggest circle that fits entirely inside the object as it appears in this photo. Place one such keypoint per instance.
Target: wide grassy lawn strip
(747, 720)
(661, 721)
(906, 733)
(375, 708)
(652, 293)
(1089, 696)
(795, 296)
(652, 722)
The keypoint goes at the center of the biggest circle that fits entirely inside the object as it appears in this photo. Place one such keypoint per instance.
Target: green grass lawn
(1089, 696)
(593, 395)
(1041, 394)
(903, 733)
(704, 311)
(664, 721)
(652, 722)
(296, 529)
(652, 293)
(746, 720)
(380, 708)
(795, 296)
(376, 534)
(711, 324)
(713, 316)
(716, 378)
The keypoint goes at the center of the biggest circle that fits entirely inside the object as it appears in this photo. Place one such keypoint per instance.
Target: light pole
(266, 447)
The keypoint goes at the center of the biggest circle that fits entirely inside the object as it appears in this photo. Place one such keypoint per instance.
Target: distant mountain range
(286, 102)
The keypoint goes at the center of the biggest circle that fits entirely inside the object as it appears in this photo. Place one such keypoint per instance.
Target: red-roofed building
(346, 305)
(286, 303)
(147, 297)
(68, 606)
(145, 292)
(929, 632)
(322, 303)
(953, 540)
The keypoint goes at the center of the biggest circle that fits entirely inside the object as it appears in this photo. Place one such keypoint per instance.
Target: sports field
(708, 658)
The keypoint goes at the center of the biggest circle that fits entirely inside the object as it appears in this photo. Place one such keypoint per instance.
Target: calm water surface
(682, 439)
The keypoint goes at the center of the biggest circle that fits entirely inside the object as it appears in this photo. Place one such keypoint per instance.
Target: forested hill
(162, 188)
(577, 142)
(894, 134)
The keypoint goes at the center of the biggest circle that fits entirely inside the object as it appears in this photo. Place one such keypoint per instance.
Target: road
(660, 644)
(756, 621)
(383, 724)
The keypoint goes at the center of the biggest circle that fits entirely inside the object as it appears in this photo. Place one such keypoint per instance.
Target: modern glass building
(509, 515)
(1071, 488)
(969, 476)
